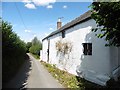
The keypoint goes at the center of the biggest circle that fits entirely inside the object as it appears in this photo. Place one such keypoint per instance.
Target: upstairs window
(87, 48)
(63, 34)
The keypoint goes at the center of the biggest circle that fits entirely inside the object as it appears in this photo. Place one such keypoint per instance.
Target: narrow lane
(33, 75)
(20, 79)
(40, 77)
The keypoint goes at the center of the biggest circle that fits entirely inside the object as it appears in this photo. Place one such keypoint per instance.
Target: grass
(71, 81)
(35, 56)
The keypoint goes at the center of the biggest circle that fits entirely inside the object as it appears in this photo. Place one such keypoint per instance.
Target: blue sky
(30, 19)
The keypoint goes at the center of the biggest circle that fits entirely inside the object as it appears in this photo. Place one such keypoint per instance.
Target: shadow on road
(19, 81)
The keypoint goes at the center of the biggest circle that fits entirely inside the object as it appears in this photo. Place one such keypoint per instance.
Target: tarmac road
(33, 75)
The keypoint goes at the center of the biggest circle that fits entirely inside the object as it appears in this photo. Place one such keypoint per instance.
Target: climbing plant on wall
(63, 47)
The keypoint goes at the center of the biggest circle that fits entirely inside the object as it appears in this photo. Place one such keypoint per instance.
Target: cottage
(75, 48)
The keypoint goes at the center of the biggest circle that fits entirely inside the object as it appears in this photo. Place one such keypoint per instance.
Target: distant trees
(107, 14)
(13, 51)
(28, 45)
(36, 46)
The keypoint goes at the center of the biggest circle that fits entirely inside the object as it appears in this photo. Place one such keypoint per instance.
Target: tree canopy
(13, 51)
(28, 45)
(36, 46)
(107, 16)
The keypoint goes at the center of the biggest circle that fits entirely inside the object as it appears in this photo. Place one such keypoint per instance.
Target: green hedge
(13, 52)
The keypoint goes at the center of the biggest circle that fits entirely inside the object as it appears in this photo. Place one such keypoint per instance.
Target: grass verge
(71, 81)
(35, 56)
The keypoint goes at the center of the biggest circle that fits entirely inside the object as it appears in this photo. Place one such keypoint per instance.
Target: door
(48, 50)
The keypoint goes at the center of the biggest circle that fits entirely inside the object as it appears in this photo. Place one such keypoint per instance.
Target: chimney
(59, 23)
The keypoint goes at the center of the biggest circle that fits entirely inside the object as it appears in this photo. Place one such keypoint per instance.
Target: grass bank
(71, 81)
(35, 56)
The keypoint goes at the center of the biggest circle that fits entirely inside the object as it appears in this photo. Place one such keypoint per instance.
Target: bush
(35, 47)
(13, 52)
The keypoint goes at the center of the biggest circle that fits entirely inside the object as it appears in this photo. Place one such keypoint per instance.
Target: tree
(107, 15)
(28, 45)
(35, 41)
(13, 51)
(36, 46)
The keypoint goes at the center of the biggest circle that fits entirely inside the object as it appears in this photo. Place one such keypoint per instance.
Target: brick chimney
(59, 24)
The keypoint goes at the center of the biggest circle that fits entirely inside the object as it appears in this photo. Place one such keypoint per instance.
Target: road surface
(33, 75)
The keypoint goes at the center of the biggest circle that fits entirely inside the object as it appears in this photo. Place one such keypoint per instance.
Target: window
(63, 34)
(87, 48)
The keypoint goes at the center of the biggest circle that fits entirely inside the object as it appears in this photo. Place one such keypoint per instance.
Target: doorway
(48, 50)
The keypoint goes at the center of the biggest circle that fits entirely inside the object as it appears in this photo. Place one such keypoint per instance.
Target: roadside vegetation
(13, 52)
(70, 81)
(34, 48)
(66, 79)
(35, 56)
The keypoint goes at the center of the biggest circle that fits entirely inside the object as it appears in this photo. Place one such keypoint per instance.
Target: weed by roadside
(74, 82)
(35, 56)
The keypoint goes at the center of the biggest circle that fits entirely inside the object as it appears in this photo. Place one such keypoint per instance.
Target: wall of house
(44, 50)
(115, 61)
(53, 52)
(96, 67)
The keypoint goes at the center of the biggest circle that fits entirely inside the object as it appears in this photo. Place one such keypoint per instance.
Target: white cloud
(27, 31)
(64, 6)
(26, 1)
(49, 6)
(51, 29)
(30, 6)
(43, 2)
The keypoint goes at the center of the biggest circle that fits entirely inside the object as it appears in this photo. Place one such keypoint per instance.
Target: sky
(38, 18)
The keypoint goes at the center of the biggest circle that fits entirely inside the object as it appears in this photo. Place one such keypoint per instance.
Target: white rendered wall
(53, 57)
(44, 50)
(96, 67)
(115, 61)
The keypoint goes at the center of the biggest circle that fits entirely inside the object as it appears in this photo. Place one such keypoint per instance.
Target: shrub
(13, 52)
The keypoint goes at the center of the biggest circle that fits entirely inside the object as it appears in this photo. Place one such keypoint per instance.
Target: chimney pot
(59, 24)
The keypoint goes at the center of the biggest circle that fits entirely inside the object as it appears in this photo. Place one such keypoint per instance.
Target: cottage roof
(80, 19)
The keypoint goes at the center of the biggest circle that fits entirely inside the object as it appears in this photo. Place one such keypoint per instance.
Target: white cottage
(75, 48)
